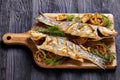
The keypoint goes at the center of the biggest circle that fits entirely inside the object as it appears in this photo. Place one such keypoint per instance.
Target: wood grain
(18, 16)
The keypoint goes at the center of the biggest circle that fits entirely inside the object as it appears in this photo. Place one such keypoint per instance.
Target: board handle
(13, 38)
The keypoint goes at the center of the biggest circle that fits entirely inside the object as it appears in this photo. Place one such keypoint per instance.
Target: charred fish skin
(63, 47)
(79, 29)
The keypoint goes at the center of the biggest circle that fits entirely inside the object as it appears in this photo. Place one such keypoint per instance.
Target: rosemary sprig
(53, 30)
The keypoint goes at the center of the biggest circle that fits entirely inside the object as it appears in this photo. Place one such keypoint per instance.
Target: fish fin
(40, 13)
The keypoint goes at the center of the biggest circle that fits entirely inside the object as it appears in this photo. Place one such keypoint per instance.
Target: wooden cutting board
(24, 39)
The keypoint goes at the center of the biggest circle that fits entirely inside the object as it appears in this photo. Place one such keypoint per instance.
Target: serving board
(24, 39)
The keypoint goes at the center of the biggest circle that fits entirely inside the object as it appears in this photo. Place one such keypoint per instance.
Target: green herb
(95, 52)
(109, 57)
(77, 18)
(53, 30)
(52, 61)
(107, 21)
(70, 17)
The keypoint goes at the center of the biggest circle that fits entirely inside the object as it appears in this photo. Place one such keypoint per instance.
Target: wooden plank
(15, 16)
(88, 65)
(3, 29)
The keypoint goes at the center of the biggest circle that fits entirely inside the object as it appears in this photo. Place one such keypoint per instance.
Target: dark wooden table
(17, 16)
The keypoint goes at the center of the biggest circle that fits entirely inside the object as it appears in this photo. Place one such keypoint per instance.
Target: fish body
(79, 29)
(63, 47)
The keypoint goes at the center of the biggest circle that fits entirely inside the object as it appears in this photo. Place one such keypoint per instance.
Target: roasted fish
(79, 29)
(63, 47)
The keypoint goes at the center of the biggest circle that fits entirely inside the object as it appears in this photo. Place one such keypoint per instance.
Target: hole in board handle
(8, 37)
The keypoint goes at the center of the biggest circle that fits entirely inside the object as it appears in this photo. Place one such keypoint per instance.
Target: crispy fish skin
(79, 29)
(63, 47)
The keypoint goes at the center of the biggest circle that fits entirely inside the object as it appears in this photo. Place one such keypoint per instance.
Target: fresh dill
(77, 18)
(109, 57)
(52, 61)
(70, 17)
(53, 30)
(107, 21)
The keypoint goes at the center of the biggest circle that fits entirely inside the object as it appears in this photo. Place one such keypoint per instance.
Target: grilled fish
(79, 29)
(63, 47)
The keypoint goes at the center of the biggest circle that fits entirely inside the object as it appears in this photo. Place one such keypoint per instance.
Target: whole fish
(63, 47)
(79, 29)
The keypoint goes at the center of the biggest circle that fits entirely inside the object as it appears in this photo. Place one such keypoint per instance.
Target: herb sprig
(73, 18)
(52, 61)
(107, 21)
(109, 57)
(70, 17)
(53, 30)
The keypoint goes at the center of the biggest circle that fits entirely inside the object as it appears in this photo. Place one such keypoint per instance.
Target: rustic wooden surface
(16, 62)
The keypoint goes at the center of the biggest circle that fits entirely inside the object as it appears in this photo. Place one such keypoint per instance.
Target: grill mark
(65, 43)
(57, 41)
(74, 49)
(48, 42)
(53, 48)
(69, 27)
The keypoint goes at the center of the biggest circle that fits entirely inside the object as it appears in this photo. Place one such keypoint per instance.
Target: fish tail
(97, 60)
(46, 20)
(91, 57)
(100, 62)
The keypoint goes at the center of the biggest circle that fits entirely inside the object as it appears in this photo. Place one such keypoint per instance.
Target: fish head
(107, 32)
